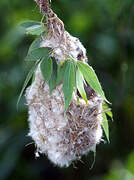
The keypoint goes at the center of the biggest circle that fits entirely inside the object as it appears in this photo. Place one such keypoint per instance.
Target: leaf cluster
(72, 73)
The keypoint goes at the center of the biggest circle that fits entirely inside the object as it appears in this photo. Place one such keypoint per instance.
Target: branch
(45, 7)
(54, 24)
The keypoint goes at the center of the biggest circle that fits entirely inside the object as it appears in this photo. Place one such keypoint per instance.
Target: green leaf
(35, 30)
(33, 78)
(52, 81)
(33, 27)
(68, 84)
(60, 73)
(35, 44)
(46, 67)
(107, 110)
(105, 125)
(29, 76)
(27, 24)
(80, 85)
(37, 54)
(91, 78)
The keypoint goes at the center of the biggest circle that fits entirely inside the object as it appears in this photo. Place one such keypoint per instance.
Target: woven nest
(62, 139)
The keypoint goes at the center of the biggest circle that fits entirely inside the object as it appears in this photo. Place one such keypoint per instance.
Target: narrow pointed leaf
(27, 24)
(68, 84)
(35, 30)
(105, 125)
(35, 44)
(46, 67)
(52, 81)
(80, 85)
(108, 110)
(37, 54)
(33, 27)
(29, 76)
(60, 73)
(91, 77)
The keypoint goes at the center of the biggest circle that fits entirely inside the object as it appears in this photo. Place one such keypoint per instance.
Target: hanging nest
(62, 138)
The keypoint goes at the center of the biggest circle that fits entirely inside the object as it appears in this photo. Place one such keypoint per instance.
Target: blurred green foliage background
(106, 28)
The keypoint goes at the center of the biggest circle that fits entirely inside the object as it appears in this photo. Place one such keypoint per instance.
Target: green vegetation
(106, 30)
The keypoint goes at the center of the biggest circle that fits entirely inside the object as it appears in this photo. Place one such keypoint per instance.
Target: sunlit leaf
(80, 85)
(91, 77)
(68, 84)
(33, 27)
(105, 125)
(46, 67)
(35, 30)
(29, 76)
(107, 110)
(27, 24)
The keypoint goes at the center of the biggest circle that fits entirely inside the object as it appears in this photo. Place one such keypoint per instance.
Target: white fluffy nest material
(62, 139)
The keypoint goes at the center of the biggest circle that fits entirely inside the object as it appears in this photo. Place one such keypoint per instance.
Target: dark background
(106, 28)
